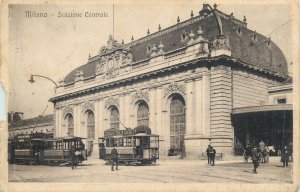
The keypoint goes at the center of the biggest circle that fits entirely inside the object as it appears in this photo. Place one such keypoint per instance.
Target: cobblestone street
(164, 171)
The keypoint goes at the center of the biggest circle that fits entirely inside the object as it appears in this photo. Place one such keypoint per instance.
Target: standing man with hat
(208, 155)
(114, 158)
(255, 158)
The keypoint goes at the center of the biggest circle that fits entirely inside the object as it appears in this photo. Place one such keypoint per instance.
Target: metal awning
(263, 108)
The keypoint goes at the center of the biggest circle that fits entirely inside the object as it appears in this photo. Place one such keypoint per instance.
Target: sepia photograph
(117, 96)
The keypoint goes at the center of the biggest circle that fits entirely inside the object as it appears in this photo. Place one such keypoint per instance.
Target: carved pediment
(88, 105)
(174, 88)
(113, 57)
(67, 110)
(111, 101)
(221, 42)
(79, 75)
(140, 95)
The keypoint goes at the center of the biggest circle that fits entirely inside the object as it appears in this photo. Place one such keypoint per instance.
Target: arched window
(177, 122)
(114, 118)
(143, 114)
(90, 125)
(70, 122)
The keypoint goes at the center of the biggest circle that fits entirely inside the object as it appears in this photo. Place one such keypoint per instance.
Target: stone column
(199, 107)
(189, 107)
(101, 117)
(58, 117)
(126, 110)
(122, 111)
(159, 128)
(95, 152)
(152, 106)
(206, 102)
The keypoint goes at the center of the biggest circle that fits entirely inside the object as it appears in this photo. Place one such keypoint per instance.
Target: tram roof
(263, 108)
(136, 135)
(65, 138)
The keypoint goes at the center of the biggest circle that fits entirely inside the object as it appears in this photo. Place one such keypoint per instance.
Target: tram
(25, 147)
(57, 150)
(135, 146)
(38, 148)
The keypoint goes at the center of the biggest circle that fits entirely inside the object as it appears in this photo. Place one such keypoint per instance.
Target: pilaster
(152, 107)
(189, 107)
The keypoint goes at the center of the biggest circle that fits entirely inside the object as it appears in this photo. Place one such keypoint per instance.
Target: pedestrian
(247, 153)
(266, 154)
(207, 153)
(114, 158)
(255, 158)
(212, 155)
(285, 157)
(73, 157)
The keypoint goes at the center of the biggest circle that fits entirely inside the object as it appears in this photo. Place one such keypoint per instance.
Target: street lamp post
(31, 80)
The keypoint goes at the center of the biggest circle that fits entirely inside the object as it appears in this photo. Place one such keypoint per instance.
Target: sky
(2, 103)
(54, 46)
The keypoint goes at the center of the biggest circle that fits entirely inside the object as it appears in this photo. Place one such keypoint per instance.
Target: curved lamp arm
(31, 80)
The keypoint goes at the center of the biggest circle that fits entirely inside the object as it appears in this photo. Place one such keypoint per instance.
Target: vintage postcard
(149, 96)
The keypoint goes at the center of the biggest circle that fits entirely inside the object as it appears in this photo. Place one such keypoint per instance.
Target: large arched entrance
(177, 123)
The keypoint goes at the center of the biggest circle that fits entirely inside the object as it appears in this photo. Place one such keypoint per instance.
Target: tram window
(145, 141)
(129, 141)
(137, 142)
(120, 140)
(153, 142)
(59, 145)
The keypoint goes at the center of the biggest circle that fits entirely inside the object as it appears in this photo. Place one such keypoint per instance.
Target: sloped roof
(261, 52)
(47, 119)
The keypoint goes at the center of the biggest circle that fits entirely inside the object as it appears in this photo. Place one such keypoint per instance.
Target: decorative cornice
(198, 61)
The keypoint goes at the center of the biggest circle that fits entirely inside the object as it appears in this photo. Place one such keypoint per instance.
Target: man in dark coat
(207, 153)
(212, 155)
(73, 157)
(114, 158)
(285, 156)
(255, 158)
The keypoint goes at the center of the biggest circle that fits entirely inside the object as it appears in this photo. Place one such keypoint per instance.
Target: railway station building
(205, 80)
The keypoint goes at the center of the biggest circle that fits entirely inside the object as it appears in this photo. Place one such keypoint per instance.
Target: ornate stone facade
(198, 72)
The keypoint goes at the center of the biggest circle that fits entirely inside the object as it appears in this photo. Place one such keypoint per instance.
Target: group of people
(263, 154)
(260, 154)
(211, 155)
